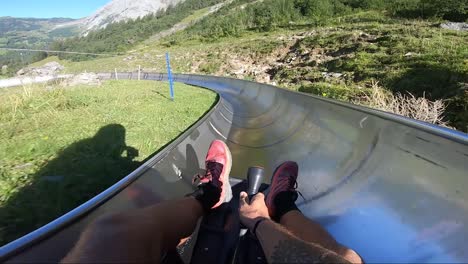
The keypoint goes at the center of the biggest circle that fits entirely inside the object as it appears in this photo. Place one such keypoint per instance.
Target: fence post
(116, 77)
(169, 76)
(139, 71)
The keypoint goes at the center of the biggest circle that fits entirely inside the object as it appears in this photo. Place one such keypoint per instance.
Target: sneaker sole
(226, 183)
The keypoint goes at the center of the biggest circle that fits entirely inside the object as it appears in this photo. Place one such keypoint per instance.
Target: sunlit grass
(60, 146)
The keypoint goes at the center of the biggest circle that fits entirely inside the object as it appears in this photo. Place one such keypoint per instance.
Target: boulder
(333, 75)
(4, 69)
(21, 72)
(455, 26)
(48, 69)
(88, 78)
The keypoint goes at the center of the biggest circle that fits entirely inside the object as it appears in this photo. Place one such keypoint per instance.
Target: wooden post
(139, 71)
(116, 77)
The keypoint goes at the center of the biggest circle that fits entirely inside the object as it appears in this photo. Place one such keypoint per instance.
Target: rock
(364, 35)
(84, 78)
(129, 58)
(455, 26)
(21, 72)
(48, 69)
(335, 75)
(23, 166)
(52, 66)
(4, 69)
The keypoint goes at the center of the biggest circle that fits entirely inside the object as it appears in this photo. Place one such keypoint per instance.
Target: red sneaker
(218, 164)
(283, 180)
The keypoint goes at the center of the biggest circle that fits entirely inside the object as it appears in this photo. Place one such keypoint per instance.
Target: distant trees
(122, 35)
(17, 60)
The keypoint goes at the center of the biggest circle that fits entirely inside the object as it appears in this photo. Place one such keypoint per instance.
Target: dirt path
(20, 81)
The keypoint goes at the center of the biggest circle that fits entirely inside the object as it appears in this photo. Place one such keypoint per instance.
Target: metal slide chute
(391, 188)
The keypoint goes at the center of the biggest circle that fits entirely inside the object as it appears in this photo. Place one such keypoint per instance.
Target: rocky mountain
(120, 10)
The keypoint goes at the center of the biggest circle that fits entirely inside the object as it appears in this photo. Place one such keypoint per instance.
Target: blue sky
(49, 8)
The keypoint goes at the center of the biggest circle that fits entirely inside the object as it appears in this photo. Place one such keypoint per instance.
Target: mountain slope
(118, 37)
(121, 10)
(27, 32)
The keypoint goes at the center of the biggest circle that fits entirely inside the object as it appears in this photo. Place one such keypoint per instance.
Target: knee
(109, 222)
(350, 255)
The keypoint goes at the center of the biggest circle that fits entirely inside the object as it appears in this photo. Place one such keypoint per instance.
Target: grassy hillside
(343, 59)
(60, 147)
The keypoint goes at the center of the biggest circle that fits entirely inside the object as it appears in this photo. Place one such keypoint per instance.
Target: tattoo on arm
(294, 251)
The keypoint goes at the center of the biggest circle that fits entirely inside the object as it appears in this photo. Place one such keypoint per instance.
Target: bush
(367, 4)
(210, 67)
(418, 108)
(314, 8)
(457, 110)
(453, 10)
(318, 10)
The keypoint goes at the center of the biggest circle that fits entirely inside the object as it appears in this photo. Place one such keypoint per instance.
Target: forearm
(280, 246)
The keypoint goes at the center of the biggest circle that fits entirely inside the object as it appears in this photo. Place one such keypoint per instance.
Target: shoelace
(285, 183)
(212, 169)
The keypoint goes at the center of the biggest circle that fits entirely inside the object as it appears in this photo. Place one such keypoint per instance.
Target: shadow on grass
(80, 171)
(162, 95)
(433, 81)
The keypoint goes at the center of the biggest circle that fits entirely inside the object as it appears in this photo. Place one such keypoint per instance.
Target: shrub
(210, 67)
(419, 108)
(453, 10)
(457, 110)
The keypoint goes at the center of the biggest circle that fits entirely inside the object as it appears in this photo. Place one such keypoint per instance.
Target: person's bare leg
(178, 220)
(282, 208)
(311, 231)
(144, 235)
(139, 236)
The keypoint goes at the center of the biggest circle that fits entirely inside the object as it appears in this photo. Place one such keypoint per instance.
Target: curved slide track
(390, 187)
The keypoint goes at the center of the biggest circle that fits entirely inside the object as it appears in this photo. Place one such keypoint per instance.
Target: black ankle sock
(207, 194)
(284, 203)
